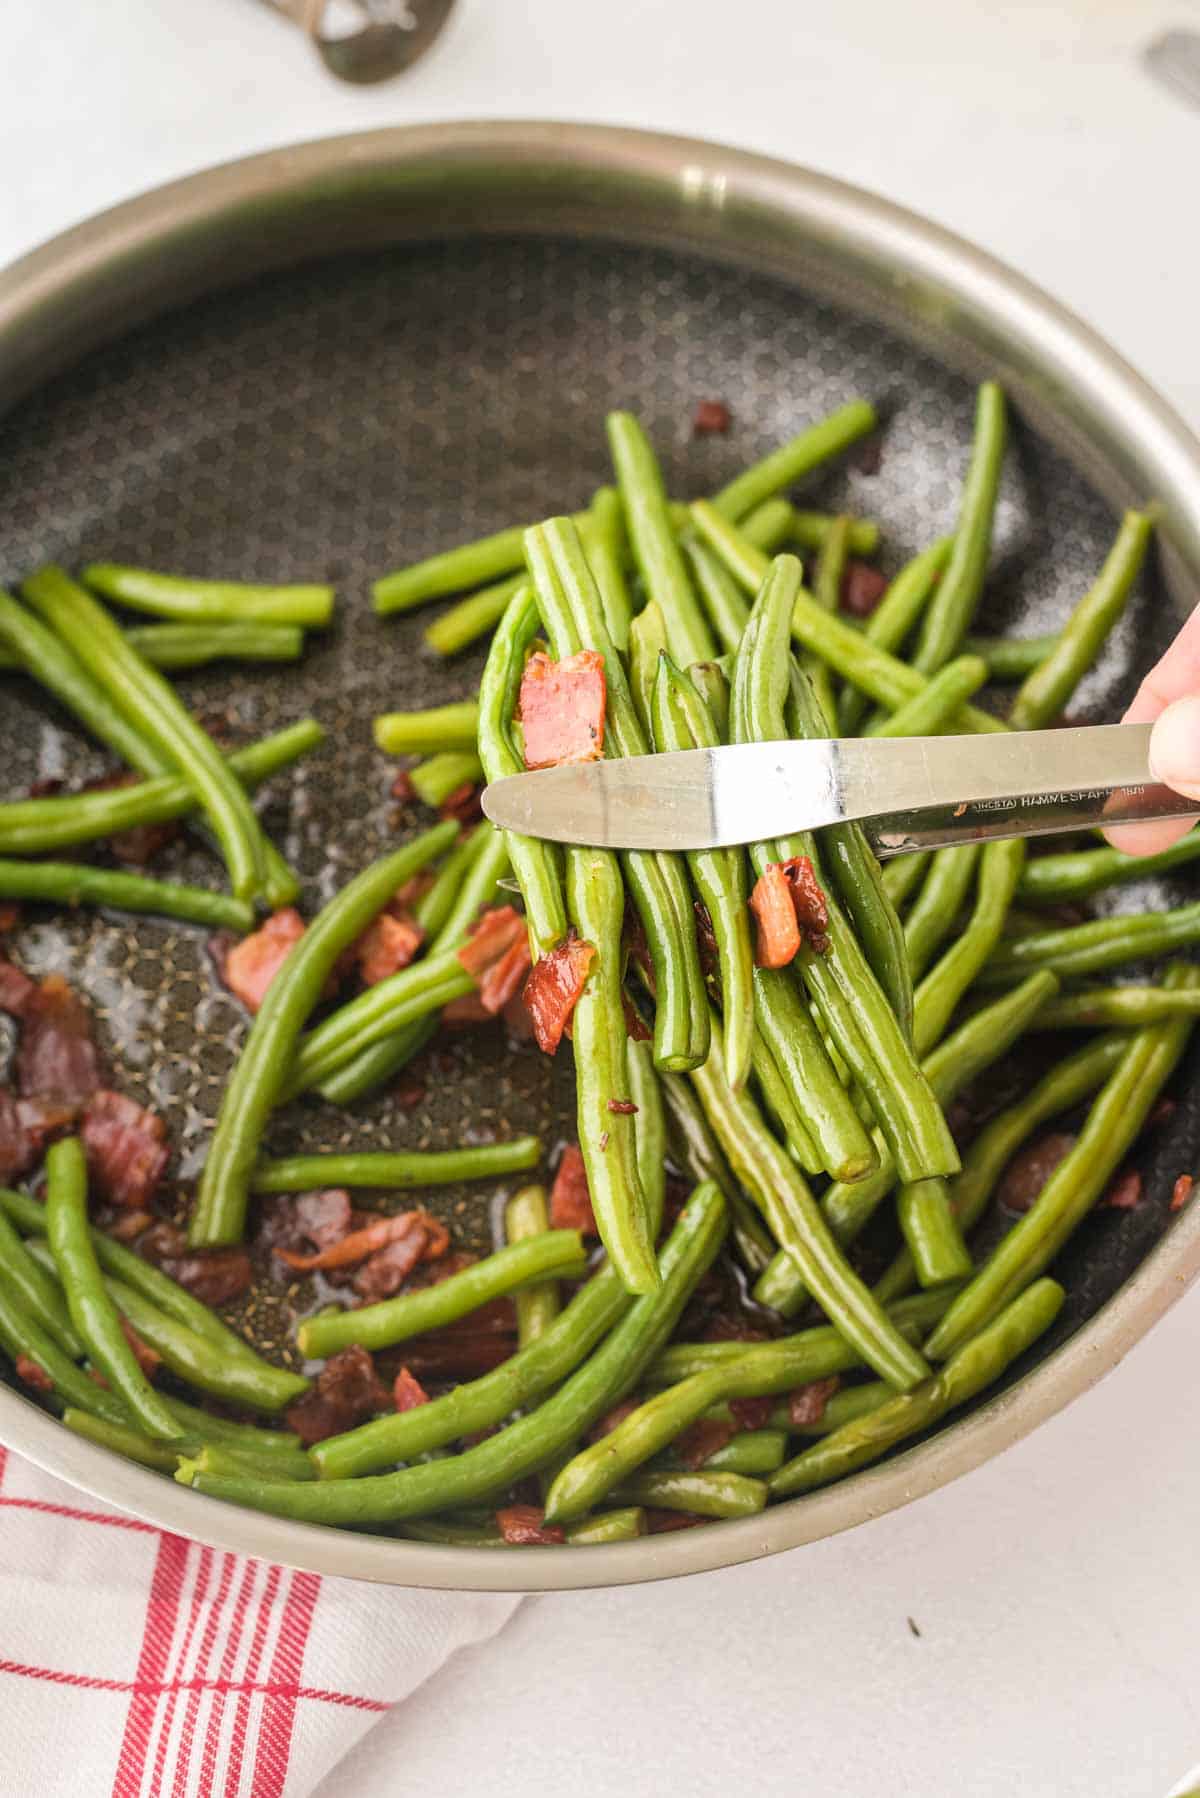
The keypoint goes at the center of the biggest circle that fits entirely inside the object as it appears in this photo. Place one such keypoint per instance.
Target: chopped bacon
(407, 1391)
(251, 965)
(1029, 1170)
(385, 1272)
(751, 1413)
(148, 1359)
(712, 419)
(553, 989)
(402, 789)
(492, 934)
(706, 941)
(346, 1391)
(778, 927)
(806, 1405)
(525, 1526)
(1163, 1112)
(561, 708)
(458, 1354)
(411, 893)
(728, 1328)
(358, 1244)
(388, 944)
(16, 988)
(410, 1093)
(862, 589)
(636, 1028)
(658, 1523)
(57, 1058)
(506, 977)
(126, 1147)
(570, 1200)
(701, 1440)
(1181, 1192)
(624, 1108)
(605, 1425)
(1123, 1193)
(468, 1008)
(214, 1276)
(463, 804)
(127, 1226)
(33, 1375)
(812, 910)
(26, 1125)
(10, 917)
(138, 845)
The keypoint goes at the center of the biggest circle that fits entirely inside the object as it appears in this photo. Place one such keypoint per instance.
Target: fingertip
(1175, 746)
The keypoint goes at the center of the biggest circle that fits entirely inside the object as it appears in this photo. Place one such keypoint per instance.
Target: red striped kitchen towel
(137, 1664)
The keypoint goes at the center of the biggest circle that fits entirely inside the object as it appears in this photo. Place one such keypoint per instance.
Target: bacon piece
(10, 917)
(862, 589)
(701, 1440)
(26, 1126)
(463, 804)
(402, 789)
(750, 1413)
(16, 988)
(138, 845)
(407, 1391)
(127, 1226)
(525, 1526)
(506, 977)
(148, 1359)
(467, 1009)
(57, 1058)
(658, 1523)
(388, 944)
(608, 1423)
(404, 899)
(33, 1374)
(622, 1108)
(706, 941)
(806, 1405)
(1181, 1192)
(345, 1392)
(812, 910)
(775, 915)
(492, 933)
(215, 1276)
(1029, 1170)
(1124, 1192)
(385, 1272)
(553, 989)
(561, 708)
(357, 1244)
(570, 1200)
(636, 1029)
(126, 1148)
(458, 1354)
(251, 965)
(410, 1093)
(712, 419)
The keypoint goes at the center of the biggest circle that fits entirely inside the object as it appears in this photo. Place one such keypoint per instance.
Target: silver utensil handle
(393, 34)
(900, 833)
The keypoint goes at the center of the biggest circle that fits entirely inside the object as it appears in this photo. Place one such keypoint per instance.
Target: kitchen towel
(137, 1664)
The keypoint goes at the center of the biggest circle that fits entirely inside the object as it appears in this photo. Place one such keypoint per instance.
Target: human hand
(1169, 698)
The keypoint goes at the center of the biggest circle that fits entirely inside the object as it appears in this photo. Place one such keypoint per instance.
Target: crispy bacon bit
(751, 1413)
(561, 708)
(701, 1440)
(525, 1527)
(126, 1146)
(1162, 1113)
(505, 979)
(33, 1375)
(570, 1200)
(385, 1272)
(402, 789)
(127, 1226)
(16, 988)
(408, 1392)
(251, 965)
(706, 941)
(148, 1359)
(553, 989)
(57, 1058)
(357, 1244)
(463, 804)
(492, 935)
(26, 1126)
(623, 1107)
(778, 929)
(138, 845)
(812, 910)
(10, 917)
(388, 944)
(862, 589)
(1181, 1192)
(658, 1523)
(410, 1093)
(1029, 1170)
(712, 419)
(467, 1009)
(458, 1355)
(1124, 1192)
(806, 1405)
(608, 1423)
(214, 1276)
(346, 1391)
(636, 950)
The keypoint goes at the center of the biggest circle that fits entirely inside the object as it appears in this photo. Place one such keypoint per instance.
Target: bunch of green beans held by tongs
(805, 1103)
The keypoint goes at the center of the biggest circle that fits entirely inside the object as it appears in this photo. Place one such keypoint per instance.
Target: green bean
(471, 618)
(934, 913)
(404, 1168)
(1079, 949)
(526, 1215)
(151, 706)
(453, 726)
(434, 905)
(647, 643)
(794, 459)
(35, 826)
(798, 1225)
(251, 1438)
(603, 532)
(649, 1132)
(92, 1311)
(375, 1015)
(36, 1291)
(209, 602)
(491, 1466)
(365, 1072)
(652, 538)
(681, 721)
(722, 598)
(133, 1444)
(709, 680)
(700, 1156)
(769, 526)
(1112, 1124)
(1047, 689)
(195, 645)
(827, 591)
(944, 985)
(826, 1114)
(704, 1494)
(931, 1233)
(902, 873)
(777, 1093)
(1049, 879)
(941, 701)
(608, 1526)
(977, 1044)
(952, 608)
(262, 1068)
(477, 889)
(753, 1452)
(72, 884)
(451, 572)
(591, 1474)
(21, 1335)
(1011, 658)
(842, 1407)
(978, 1363)
(1116, 1008)
(809, 530)
(434, 780)
(894, 617)
(224, 1457)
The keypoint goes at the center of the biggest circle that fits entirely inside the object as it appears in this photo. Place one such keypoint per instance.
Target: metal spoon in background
(1174, 60)
(367, 40)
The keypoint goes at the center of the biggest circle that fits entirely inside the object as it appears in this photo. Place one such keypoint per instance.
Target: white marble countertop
(1054, 1590)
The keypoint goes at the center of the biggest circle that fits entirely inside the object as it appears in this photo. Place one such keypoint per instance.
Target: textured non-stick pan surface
(339, 420)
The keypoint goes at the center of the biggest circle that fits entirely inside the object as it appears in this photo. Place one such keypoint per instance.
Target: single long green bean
(1011, 658)
(649, 1132)
(1049, 879)
(262, 1068)
(21, 1334)
(453, 726)
(92, 1311)
(703, 1493)
(1080, 949)
(603, 532)
(826, 1113)
(612, 1370)
(122, 1439)
(647, 642)
(73, 884)
(399, 1000)
(537, 1306)
(934, 913)
(977, 1365)
(37, 1291)
(931, 1233)
(169, 646)
(773, 524)
(722, 598)
(434, 780)
(709, 680)
(452, 571)
(210, 602)
(941, 701)
(893, 619)
(471, 618)
(778, 1094)
(251, 1438)
(1045, 691)
(788, 464)
(652, 538)
(434, 905)
(1116, 1008)
(944, 985)
(404, 1168)
(808, 530)
(902, 873)
(950, 612)
(700, 1156)
(753, 1452)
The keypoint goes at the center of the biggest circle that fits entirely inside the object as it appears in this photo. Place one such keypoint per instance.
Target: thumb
(1175, 747)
